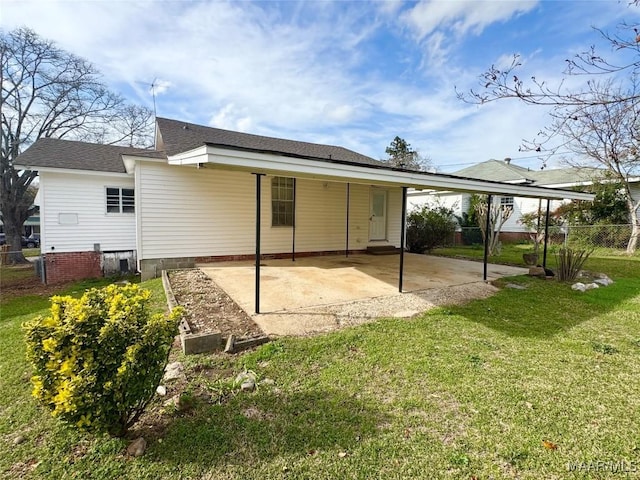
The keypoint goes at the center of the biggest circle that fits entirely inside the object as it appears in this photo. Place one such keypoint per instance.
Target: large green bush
(98, 360)
(429, 227)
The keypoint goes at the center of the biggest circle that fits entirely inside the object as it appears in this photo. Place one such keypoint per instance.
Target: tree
(401, 155)
(535, 223)
(48, 92)
(498, 215)
(598, 123)
(608, 206)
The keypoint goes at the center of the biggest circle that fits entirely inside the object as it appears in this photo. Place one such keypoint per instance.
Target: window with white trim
(506, 202)
(120, 200)
(282, 202)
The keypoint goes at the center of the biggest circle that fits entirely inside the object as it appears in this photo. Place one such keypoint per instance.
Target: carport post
(486, 238)
(293, 233)
(258, 198)
(546, 234)
(402, 230)
(346, 250)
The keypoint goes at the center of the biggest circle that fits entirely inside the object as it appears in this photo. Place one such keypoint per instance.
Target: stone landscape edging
(193, 343)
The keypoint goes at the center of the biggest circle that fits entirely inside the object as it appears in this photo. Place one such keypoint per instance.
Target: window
(282, 214)
(506, 202)
(120, 200)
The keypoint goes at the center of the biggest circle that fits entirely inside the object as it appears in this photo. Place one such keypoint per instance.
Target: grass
(11, 274)
(519, 385)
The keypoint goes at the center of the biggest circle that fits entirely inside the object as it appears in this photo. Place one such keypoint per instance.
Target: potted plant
(532, 221)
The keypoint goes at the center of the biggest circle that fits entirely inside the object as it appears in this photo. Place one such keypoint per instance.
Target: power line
(512, 158)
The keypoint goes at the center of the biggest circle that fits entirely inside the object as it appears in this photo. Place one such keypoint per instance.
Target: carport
(261, 156)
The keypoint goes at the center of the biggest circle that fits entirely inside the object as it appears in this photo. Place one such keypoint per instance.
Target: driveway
(312, 293)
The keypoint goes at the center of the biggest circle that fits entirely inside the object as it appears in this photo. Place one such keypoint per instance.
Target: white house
(505, 171)
(197, 197)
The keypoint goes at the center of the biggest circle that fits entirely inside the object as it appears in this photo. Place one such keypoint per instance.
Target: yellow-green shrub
(98, 360)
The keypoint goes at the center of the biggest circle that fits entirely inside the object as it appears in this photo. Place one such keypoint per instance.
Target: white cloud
(329, 72)
(462, 16)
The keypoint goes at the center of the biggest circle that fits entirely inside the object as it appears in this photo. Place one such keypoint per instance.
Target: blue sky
(350, 73)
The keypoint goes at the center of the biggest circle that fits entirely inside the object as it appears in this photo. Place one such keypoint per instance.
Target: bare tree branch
(48, 92)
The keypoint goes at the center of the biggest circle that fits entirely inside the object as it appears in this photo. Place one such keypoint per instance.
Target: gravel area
(405, 305)
(209, 308)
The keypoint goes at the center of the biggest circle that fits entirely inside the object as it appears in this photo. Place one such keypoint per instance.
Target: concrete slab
(289, 288)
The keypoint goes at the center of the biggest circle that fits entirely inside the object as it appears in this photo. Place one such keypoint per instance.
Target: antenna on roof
(152, 87)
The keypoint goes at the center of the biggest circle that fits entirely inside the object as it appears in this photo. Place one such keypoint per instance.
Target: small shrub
(97, 360)
(428, 228)
(570, 263)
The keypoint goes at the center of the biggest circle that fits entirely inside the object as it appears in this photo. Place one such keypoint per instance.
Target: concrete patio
(302, 296)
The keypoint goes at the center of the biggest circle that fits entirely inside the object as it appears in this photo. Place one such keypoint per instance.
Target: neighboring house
(31, 226)
(505, 171)
(194, 199)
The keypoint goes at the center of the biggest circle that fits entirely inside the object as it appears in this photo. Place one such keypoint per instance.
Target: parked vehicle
(32, 241)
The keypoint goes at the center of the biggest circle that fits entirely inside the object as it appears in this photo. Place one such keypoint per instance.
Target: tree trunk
(13, 222)
(635, 230)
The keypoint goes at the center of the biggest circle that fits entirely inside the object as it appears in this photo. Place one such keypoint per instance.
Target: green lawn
(460, 393)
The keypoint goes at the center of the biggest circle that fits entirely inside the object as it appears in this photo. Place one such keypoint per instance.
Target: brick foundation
(70, 266)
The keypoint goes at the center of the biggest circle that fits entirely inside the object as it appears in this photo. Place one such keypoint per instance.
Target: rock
(248, 385)
(173, 402)
(537, 272)
(581, 287)
(19, 439)
(246, 375)
(602, 276)
(137, 447)
(605, 282)
(516, 286)
(161, 390)
(548, 272)
(174, 371)
(591, 286)
(230, 344)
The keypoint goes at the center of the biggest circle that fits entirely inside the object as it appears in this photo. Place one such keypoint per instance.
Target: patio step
(383, 250)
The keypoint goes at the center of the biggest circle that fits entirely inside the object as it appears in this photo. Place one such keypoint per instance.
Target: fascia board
(303, 168)
(74, 171)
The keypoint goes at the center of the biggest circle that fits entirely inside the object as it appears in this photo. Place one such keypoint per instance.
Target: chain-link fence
(576, 236)
(597, 236)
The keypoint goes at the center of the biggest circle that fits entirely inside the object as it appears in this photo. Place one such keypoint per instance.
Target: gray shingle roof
(57, 153)
(178, 137)
(496, 170)
(499, 170)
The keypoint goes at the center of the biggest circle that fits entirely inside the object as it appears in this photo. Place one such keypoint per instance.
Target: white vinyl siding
(456, 200)
(635, 193)
(191, 212)
(75, 216)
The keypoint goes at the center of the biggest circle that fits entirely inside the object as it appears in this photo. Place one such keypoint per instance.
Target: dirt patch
(20, 281)
(209, 308)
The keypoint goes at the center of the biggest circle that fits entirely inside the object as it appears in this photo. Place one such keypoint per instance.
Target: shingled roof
(178, 137)
(57, 153)
(502, 171)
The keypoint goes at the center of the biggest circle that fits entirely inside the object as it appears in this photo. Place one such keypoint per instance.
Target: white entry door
(378, 215)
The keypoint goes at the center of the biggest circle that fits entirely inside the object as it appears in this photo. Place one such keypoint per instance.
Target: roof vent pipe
(507, 160)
